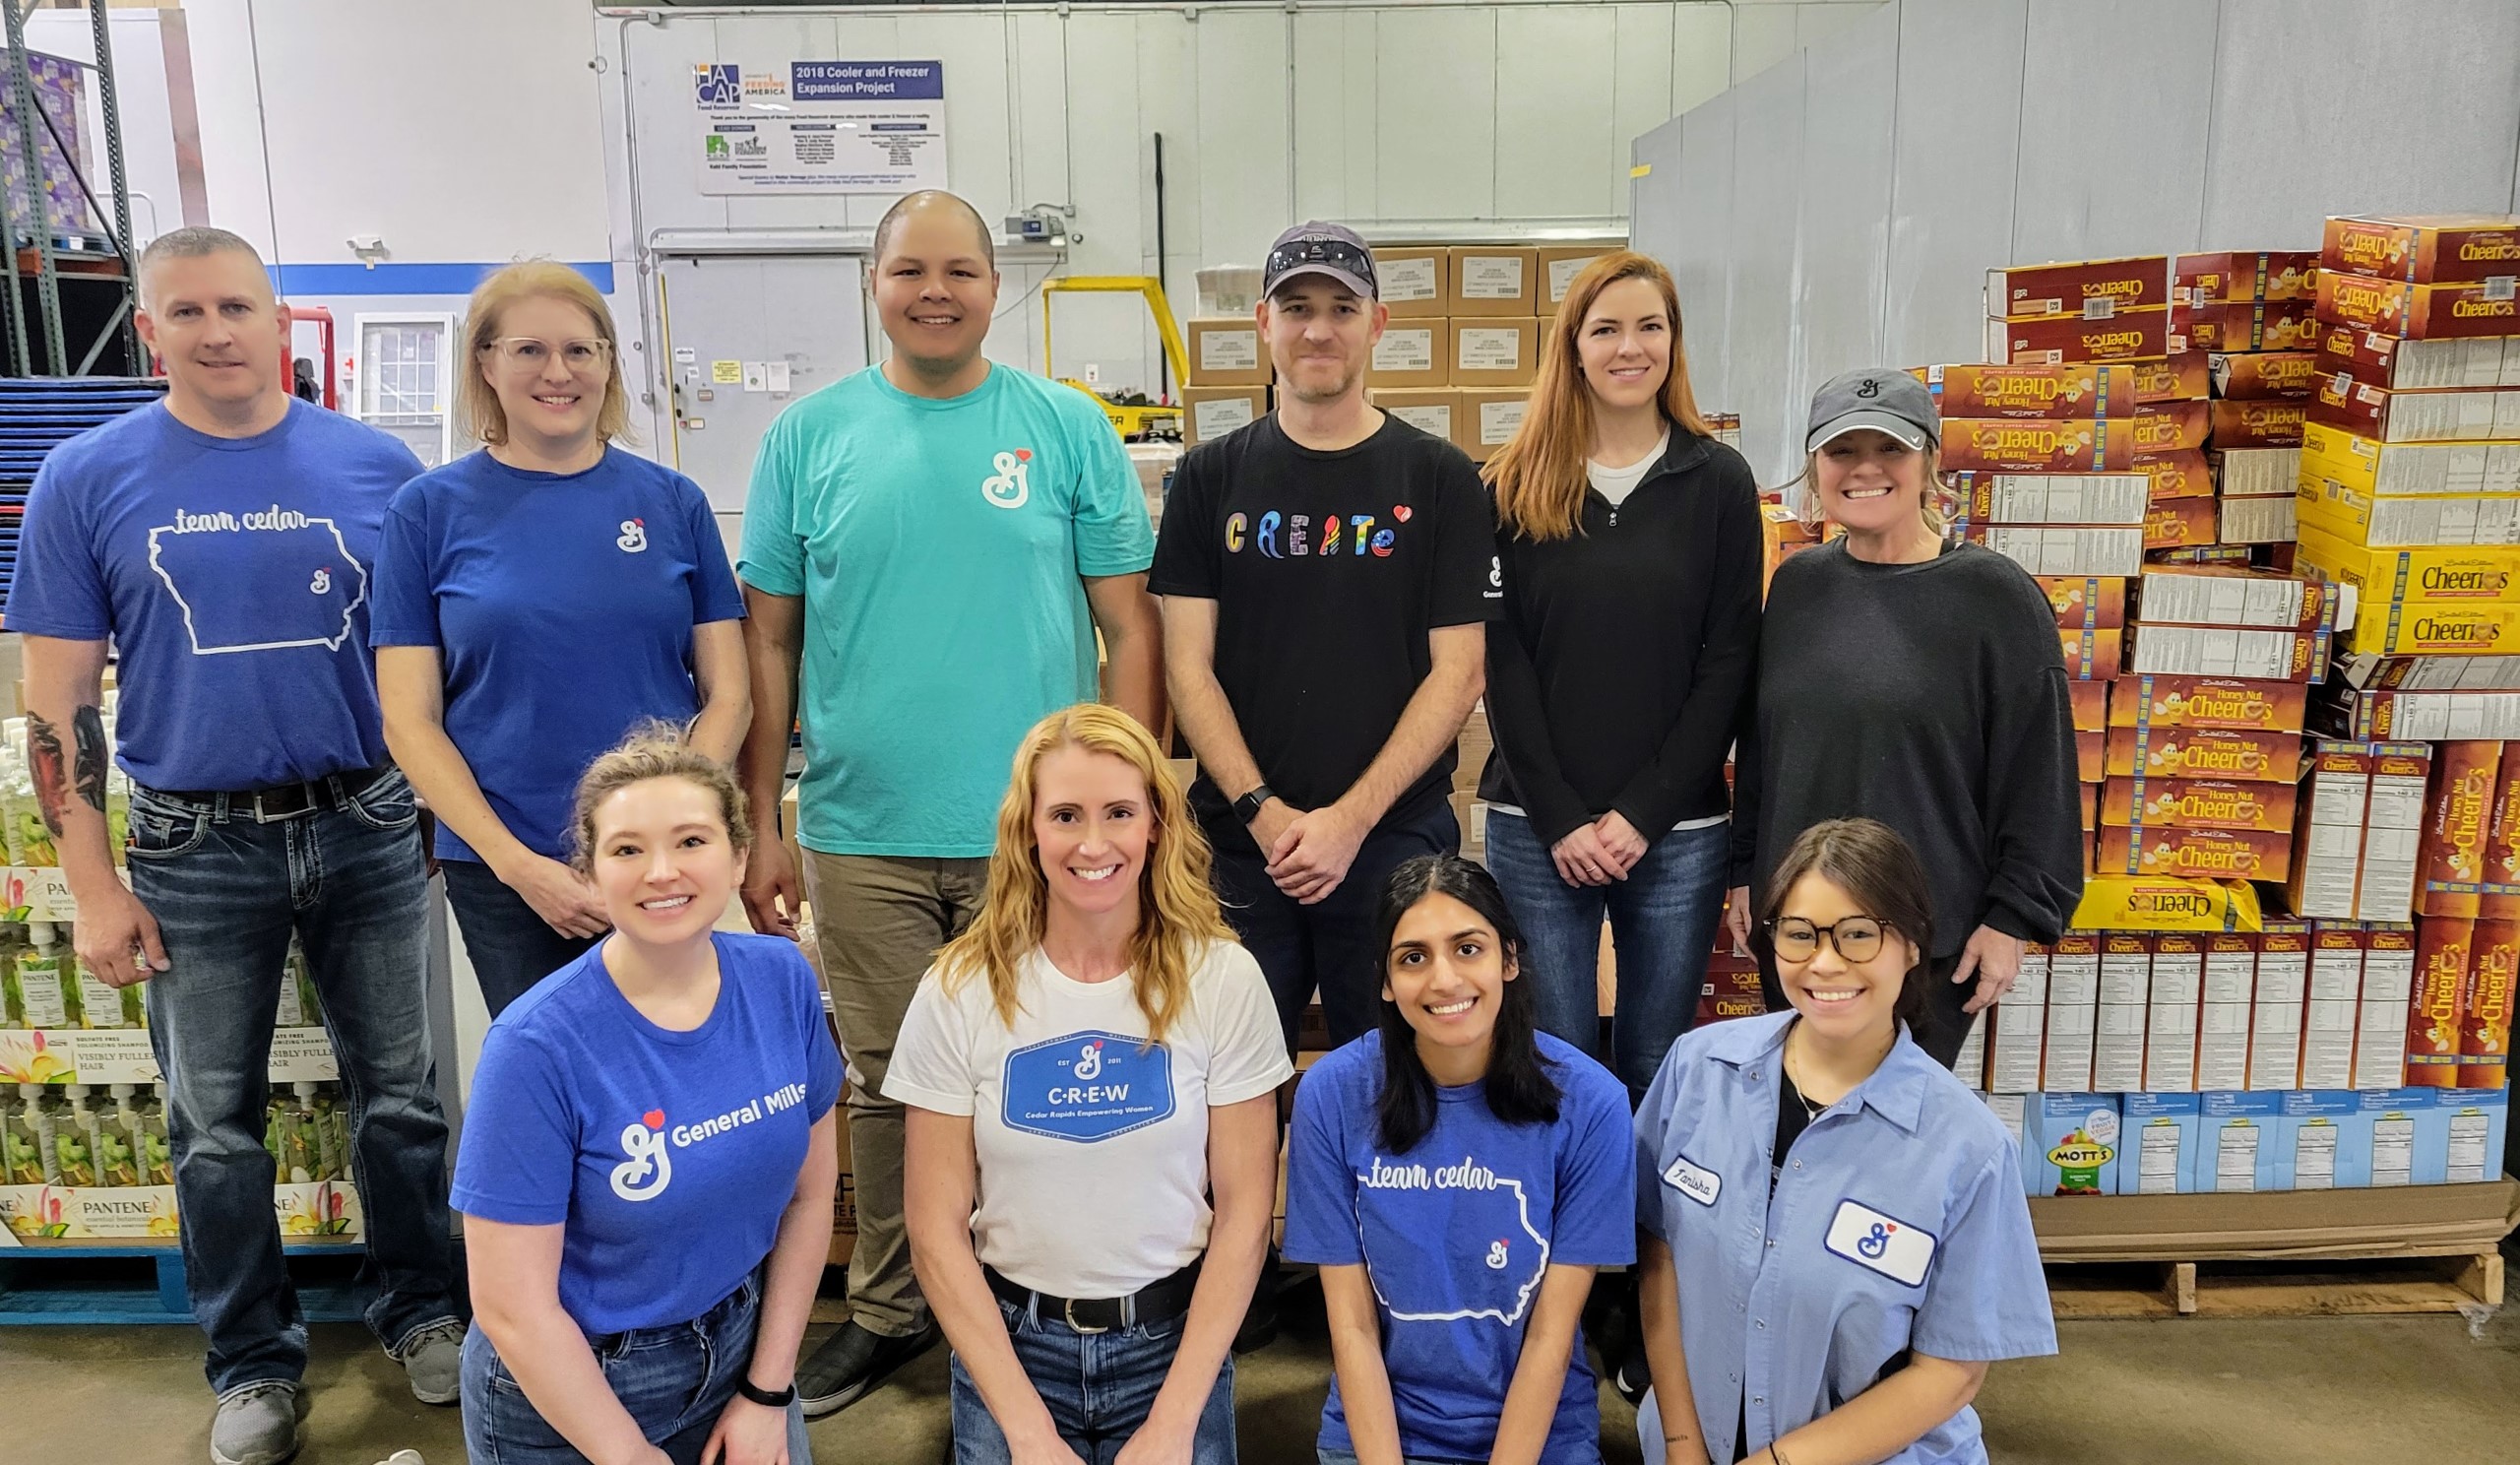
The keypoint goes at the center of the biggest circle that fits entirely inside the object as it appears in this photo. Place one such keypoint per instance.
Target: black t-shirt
(1328, 570)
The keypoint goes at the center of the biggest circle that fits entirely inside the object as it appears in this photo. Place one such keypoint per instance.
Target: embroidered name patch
(1881, 1244)
(1694, 1181)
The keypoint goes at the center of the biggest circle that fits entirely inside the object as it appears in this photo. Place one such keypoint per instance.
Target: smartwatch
(1247, 808)
(765, 1397)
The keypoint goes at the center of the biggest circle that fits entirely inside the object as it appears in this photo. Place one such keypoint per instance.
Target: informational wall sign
(820, 126)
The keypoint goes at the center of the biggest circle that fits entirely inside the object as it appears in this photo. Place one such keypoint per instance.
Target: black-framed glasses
(1857, 939)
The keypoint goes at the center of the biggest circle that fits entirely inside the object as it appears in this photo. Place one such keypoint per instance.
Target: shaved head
(934, 200)
(192, 242)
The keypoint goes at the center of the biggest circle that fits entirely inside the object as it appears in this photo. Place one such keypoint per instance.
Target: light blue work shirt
(1898, 1223)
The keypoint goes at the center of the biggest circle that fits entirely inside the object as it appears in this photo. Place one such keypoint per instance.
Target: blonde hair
(478, 412)
(1177, 914)
(1539, 477)
(652, 750)
(1937, 492)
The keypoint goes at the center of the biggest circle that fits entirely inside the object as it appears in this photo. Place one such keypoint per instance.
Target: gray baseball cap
(1882, 398)
(1331, 250)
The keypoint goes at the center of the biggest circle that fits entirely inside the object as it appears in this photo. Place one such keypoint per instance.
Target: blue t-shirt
(1457, 1234)
(562, 607)
(233, 577)
(667, 1155)
(940, 548)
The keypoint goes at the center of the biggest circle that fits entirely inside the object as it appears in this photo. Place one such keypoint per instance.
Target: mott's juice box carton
(2234, 1148)
(2309, 1127)
(2160, 1132)
(2473, 1128)
(2072, 1147)
(2380, 1148)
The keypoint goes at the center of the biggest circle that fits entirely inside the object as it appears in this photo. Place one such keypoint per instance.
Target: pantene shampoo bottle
(21, 1138)
(42, 998)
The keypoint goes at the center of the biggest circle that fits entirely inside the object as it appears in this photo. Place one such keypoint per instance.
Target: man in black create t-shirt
(1326, 573)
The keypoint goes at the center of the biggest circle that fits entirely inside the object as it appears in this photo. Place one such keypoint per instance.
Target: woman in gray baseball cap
(1919, 684)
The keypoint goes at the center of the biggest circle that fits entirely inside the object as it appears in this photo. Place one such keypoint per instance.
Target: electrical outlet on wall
(1093, 374)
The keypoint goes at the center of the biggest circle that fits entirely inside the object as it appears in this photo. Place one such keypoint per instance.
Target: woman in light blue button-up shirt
(1834, 1236)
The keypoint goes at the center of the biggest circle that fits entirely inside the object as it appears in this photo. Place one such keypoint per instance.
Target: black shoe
(850, 1363)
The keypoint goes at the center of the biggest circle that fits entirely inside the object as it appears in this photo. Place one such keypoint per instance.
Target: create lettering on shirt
(649, 1167)
(1087, 1086)
(307, 586)
(1490, 1255)
(1279, 535)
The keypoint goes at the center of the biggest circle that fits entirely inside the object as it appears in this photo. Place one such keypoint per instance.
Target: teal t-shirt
(938, 547)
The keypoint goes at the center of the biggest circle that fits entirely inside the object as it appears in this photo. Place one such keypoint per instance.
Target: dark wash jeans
(347, 879)
(510, 948)
(1098, 1388)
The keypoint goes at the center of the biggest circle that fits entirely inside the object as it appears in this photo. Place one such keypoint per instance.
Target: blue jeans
(1096, 1386)
(510, 948)
(1348, 1457)
(1662, 918)
(674, 1381)
(347, 879)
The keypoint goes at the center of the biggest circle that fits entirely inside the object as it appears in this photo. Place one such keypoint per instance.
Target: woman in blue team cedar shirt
(650, 1155)
(533, 601)
(1458, 1176)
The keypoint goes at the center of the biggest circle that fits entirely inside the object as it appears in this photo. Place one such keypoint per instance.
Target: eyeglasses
(522, 352)
(1857, 939)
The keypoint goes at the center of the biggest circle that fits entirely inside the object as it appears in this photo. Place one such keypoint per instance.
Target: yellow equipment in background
(1131, 421)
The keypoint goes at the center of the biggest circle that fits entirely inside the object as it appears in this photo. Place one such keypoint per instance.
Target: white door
(745, 335)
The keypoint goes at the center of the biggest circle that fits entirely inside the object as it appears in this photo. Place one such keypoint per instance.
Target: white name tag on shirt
(1881, 1244)
(1694, 1181)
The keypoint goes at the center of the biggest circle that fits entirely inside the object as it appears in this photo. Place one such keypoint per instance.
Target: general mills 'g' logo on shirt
(650, 1167)
(1011, 485)
(634, 536)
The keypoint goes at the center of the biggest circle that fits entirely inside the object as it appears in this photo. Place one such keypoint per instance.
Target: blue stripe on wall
(390, 278)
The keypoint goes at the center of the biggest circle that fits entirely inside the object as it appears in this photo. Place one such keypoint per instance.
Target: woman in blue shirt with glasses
(1834, 1240)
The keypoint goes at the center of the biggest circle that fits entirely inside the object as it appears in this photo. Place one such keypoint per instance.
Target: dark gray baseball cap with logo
(1881, 398)
(1331, 250)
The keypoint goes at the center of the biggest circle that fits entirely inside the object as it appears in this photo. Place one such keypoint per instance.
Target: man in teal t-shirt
(928, 549)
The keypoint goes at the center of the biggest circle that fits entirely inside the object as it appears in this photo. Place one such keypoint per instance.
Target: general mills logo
(718, 85)
(1011, 486)
(648, 1169)
(1870, 388)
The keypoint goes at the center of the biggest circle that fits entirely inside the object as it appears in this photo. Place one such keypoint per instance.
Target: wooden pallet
(100, 1283)
(2323, 1288)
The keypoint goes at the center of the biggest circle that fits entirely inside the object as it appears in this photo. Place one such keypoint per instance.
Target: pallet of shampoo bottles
(60, 1023)
(80, 1162)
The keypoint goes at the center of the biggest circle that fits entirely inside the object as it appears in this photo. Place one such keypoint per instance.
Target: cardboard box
(2013, 1042)
(1210, 412)
(2065, 550)
(2444, 948)
(1434, 410)
(2075, 498)
(2473, 1131)
(1227, 351)
(1414, 281)
(2040, 445)
(2406, 523)
(2436, 630)
(2336, 994)
(2091, 756)
(2090, 700)
(2428, 248)
(2203, 752)
(2207, 853)
(2242, 277)
(2257, 473)
(2184, 521)
(1488, 419)
(1415, 353)
(2086, 603)
(2377, 470)
(1484, 352)
(2161, 1134)
(2461, 414)
(2185, 473)
(1968, 1065)
(2233, 1154)
(2172, 1010)
(2084, 392)
(2095, 290)
(2216, 596)
(2145, 804)
(2266, 376)
(2484, 1005)
(2223, 1030)
(2309, 1125)
(2379, 1149)
(2257, 521)
(1559, 264)
(2271, 422)
(2227, 651)
(2277, 1009)
(2171, 426)
(2392, 832)
(1494, 280)
(2403, 365)
(2418, 312)
(2458, 815)
(2208, 702)
(2448, 577)
(2380, 1028)
(2499, 899)
(2182, 374)
(2224, 329)
(2072, 1144)
(2065, 340)
(2093, 655)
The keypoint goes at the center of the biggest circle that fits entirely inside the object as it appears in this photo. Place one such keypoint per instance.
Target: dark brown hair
(1869, 860)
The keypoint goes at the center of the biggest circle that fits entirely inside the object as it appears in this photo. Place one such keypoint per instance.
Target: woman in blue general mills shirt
(1458, 1176)
(648, 1156)
(533, 601)
(1092, 1072)
(1836, 1239)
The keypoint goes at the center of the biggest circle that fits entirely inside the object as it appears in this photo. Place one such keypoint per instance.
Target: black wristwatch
(764, 1397)
(1247, 808)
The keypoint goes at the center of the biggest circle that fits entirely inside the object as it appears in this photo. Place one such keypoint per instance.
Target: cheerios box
(2071, 1144)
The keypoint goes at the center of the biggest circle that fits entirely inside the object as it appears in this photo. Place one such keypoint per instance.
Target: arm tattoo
(88, 729)
(52, 777)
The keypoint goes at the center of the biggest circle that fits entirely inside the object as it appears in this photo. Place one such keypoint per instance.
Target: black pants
(510, 948)
(1328, 945)
(1942, 1029)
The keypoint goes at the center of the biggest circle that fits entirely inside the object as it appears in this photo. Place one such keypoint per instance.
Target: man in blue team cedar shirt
(222, 540)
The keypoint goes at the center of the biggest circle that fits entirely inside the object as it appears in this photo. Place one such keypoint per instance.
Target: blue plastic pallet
(30, 1298)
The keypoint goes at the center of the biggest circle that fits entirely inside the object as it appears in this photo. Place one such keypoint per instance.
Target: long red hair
(1539, 477)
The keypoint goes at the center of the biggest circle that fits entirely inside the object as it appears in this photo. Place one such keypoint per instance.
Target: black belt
(284, 801)
(1157, 1301)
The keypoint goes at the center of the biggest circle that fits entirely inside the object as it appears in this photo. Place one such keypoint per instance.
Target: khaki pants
(879, 919)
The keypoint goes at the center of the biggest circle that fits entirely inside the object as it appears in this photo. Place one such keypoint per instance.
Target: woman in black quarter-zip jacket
(1618, 677)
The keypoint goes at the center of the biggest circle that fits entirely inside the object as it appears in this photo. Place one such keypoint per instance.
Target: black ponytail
(1519, 1089)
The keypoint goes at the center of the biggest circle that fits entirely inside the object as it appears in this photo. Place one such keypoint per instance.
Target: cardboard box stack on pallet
(1464, 339)
(2250, 313)
(1231, 376)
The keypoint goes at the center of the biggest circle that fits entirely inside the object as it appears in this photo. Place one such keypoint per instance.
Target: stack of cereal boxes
(2458, 1033)
(2251, 314)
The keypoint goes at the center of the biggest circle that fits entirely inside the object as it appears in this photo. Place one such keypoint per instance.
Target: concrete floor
(2337, 1391)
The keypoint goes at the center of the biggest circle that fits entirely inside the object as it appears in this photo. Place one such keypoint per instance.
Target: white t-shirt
(1092, 1149)
(1616, 483)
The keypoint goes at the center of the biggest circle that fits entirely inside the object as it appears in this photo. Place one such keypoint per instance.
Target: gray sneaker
(256, 1426)
(433, 1360)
